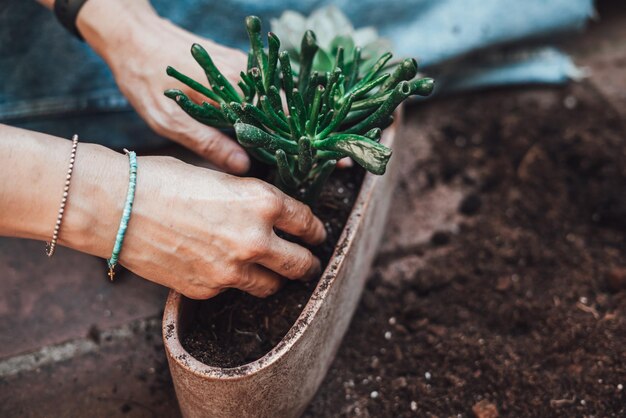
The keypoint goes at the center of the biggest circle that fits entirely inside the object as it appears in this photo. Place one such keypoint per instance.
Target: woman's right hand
(200, 231)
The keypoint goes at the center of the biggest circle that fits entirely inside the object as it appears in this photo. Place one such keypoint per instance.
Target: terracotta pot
(283, 382)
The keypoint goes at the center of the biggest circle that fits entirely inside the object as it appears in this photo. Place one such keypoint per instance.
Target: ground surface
(500, 287)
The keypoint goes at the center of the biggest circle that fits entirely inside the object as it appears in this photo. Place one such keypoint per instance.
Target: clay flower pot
(283, 382)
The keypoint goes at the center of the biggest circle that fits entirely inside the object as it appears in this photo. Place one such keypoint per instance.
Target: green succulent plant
(323, 116)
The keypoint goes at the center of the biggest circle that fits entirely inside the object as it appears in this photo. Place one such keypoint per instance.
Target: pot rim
(170, 330)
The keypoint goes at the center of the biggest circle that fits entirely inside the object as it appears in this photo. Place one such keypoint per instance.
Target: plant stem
(172, 72)
(204, 113)
(284, 171)
(216, 78)
(274, 45)
(315, 107)
(253, 26)
(308, 49)
(406, 70)
(251, 136)
(397, 96)
(338, 118)
(317, 183)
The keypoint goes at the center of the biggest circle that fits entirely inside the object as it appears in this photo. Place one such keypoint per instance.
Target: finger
(345, 162)
(291, 260)
(204, 294)
(216, 147)
(260, 282)
(297, 219)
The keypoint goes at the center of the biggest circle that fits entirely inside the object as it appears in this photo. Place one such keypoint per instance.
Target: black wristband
(66, 12)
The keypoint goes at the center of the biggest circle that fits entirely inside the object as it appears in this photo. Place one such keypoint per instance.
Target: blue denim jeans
(54, 83)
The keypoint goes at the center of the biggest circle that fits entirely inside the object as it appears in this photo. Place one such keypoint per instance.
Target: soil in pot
(235, 328)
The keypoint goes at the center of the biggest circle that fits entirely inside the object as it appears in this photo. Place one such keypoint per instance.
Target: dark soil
(523, 311)
(235, 328)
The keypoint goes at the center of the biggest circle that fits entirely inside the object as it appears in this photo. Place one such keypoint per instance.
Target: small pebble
(413, 406)
(583, 300)
(485, 409)
(388, 335)
(616, 279)
(374, 395)
(392, 320)
(620, 386)
(570, 102)
(374, 363)
(427, 375)
(583, 402)
(399, 383)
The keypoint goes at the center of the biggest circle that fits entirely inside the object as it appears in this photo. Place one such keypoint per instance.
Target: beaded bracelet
(128, 206)
(51, 246)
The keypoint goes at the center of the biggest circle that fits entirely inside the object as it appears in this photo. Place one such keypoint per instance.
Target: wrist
(95, 201)
(34, 168)
(108, 26)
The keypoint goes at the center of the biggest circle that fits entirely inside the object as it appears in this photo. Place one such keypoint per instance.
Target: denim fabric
(52, 82)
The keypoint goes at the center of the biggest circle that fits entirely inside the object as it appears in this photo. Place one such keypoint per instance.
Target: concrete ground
(73, 344)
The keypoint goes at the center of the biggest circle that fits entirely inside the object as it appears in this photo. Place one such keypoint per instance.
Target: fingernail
(346, 162)
(238, 162)
(323, 233)
(315, 271)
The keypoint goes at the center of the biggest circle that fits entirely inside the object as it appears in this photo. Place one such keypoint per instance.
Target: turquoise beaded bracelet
(128, 206)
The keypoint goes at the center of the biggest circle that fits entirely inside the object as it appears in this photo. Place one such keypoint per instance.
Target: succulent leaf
(369, 154)
(215, 77)
(252, 136)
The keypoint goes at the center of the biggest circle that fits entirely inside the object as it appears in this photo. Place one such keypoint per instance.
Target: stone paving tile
(126, 376)
(47, 301)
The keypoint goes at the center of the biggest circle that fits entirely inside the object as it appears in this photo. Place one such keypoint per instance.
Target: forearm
(106, 25)
(33, 168)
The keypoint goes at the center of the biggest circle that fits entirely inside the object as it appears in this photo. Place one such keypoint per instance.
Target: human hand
(138, 45)
(200, 231)
(195, 230)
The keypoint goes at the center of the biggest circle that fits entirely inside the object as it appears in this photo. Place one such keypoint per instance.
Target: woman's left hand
(138, 45)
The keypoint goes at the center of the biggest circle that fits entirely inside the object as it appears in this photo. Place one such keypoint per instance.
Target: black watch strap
(66, 12)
